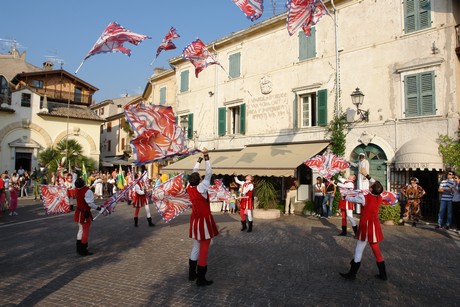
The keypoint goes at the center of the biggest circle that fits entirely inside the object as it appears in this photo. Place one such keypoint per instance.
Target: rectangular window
(37, 84)
(307, 45)
(417, 15)
(109, 145)
(102, 111)
(102, 129)
(123, 144)
(186, 123)
(232, 120)
(234, 65)
(163, 95)
(78, 94)
(184, 76)
(25, 100)
(310, 109)
(109, 127)
(419, 91)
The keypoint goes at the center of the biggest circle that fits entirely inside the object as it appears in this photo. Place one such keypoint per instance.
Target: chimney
(48, 65)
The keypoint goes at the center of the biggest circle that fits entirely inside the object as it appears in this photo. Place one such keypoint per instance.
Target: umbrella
(327, 164)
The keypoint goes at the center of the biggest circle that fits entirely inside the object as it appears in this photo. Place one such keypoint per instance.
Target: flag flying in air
(112, 40)
(158, 136)
(304, 14)
(167, 43)
(84, 174)
(253, 9)
(55, 199)
(109, 205)
(199, 56)
(120, 178)
(171, 198)
(218, 191)
(327, 164)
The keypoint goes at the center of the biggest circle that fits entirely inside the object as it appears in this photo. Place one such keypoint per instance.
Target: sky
(66, 30)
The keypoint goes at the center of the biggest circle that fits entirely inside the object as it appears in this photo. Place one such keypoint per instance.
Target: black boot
(149, 219)
(382, 272)
(84, 248)
(344, 231)
(136, 222)
(201, 276)
(79, 248)
(250, 226)
(243, 223)
(71, 207)
(355, 230)
(192, 269)
(353, 270)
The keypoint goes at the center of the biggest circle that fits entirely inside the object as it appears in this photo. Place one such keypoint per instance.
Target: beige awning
(418, 154)
(279, 160)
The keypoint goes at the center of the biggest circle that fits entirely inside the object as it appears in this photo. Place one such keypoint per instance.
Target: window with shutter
(222, 116)
(243, 118)
(190, 127)
(184, 81)
(322, 108)
(307, 45)
(419, 95)
(417, 15)
(234, 65)
(163, 95)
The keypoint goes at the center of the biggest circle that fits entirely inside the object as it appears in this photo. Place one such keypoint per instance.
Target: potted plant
(390, 215)
(308, 208)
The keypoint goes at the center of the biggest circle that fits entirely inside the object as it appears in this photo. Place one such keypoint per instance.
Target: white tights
(360, 245)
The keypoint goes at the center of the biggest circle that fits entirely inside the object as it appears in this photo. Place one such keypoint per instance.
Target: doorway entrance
(23, 159)
(377, 162)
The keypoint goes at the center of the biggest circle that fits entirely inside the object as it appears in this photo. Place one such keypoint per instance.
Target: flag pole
(79, 67)
(153, 61)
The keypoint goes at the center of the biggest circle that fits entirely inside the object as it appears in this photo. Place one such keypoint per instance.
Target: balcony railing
(64, 96)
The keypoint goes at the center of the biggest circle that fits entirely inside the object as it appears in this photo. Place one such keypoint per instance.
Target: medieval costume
(246, 201)
(413, 193)
(202, 226)
(139, 201)
(369, 230)
(346, 207)
(83, 216)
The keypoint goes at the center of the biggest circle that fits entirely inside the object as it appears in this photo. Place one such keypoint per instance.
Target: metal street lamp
(357, 98)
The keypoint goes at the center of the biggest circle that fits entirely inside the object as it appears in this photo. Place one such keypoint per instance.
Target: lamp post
(357, 98)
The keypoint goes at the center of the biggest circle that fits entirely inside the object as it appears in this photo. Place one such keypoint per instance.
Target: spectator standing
(23, 184)
(20, 171)
(318, 196)
(456, 203)
(7, 185)
(329, 191)
(14, 191)
(291, 194)
(446, 188)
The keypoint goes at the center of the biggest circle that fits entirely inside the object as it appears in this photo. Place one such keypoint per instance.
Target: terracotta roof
(76, 111)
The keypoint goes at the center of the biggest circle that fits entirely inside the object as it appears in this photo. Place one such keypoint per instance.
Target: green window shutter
(411, 94)
(302, 46)
(427, 94)
(322, 107)
(311, 44)
(184, 81)
(190, 127)
(234, 63)
(295, 113)
(243, 118)
(222, 121)
(424, 14)
(410, 15)
(162, 95)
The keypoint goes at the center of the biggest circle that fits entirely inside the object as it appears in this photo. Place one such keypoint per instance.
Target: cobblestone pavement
(291, 261)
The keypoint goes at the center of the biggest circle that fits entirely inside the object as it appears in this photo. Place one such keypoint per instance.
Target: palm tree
(67, 151)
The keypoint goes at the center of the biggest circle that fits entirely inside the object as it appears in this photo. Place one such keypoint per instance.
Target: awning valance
(419, 154)
(279, 160)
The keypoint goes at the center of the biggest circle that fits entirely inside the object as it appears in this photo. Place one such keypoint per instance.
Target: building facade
(276, 89)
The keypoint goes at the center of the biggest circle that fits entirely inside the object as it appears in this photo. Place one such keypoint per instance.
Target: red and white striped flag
(199, 56)
(253, 9)
(304, 14)
(167, 43)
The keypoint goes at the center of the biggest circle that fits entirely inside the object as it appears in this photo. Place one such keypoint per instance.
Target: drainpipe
(337, 67)
(216, 86)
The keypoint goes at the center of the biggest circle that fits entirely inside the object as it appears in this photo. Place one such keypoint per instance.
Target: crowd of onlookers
(13, 186)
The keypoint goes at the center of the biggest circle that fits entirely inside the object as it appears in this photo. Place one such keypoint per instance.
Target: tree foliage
(68, 152)
(449, 148)
(266, 193)
(336, 130)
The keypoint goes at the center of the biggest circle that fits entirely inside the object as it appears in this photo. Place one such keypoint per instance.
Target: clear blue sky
(68, 30)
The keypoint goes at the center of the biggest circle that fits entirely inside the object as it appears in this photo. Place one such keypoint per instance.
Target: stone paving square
(290, 261)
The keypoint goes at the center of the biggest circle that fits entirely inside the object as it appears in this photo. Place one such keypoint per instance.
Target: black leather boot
(243, 223)
(250, 226)
(79, 248)
(85, 251)
(353, 270)
(344, 231)
(136, 222)
(382, 271)
(192, 269)
(149, 219)
(355, 230)
(201, 276)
